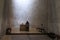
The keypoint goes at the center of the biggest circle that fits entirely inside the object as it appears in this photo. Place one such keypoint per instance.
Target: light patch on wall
(22, 10)
(30, 10)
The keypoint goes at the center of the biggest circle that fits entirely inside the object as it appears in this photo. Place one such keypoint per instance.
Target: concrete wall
(52, 17)
(35, 11)
(1, 13)
(3, 16)
(37, 14)
(57, 2)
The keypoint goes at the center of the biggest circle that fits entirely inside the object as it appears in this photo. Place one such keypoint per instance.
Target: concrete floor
(25, 37)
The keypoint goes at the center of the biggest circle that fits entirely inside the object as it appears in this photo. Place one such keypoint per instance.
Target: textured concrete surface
(25, 37)
(1, 12)
(53, 16)
(57, 2)
(34, 11)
